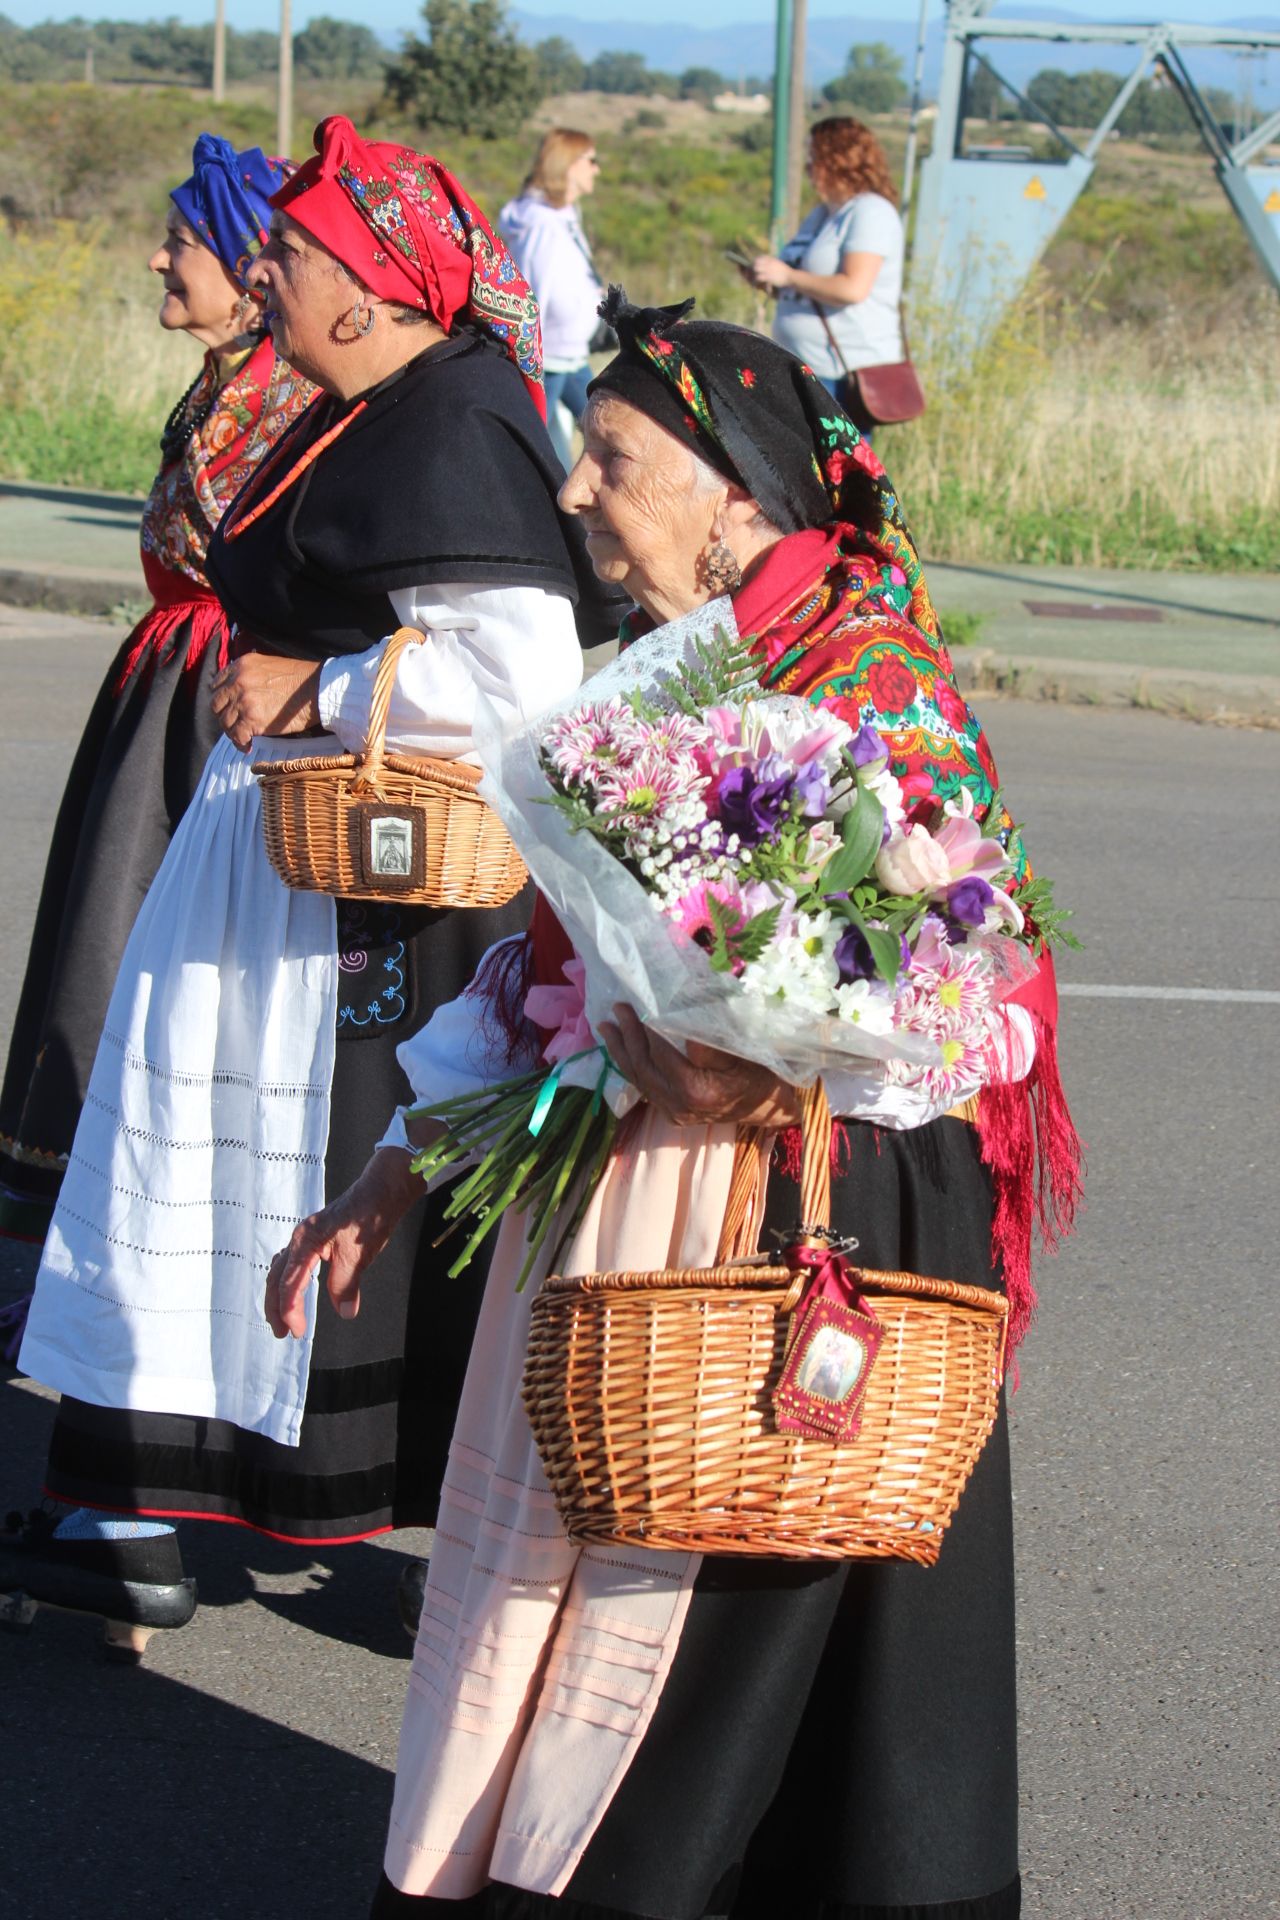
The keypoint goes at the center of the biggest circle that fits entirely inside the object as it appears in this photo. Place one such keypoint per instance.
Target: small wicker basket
(650, 1398)
(387, 826)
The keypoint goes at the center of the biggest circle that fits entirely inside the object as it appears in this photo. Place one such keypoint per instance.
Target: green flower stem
(590, 1181)
(547, 1212)
(492, 1215)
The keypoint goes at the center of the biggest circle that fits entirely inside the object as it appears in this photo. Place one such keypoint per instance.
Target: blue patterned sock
(85, 1524)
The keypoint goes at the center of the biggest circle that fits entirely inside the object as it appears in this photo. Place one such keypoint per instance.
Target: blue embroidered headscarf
(227, 200)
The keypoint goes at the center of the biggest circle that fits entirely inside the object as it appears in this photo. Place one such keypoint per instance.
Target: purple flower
(968, 899)
(867, 747)
(814, 790)
(853, 957)
(752, 808)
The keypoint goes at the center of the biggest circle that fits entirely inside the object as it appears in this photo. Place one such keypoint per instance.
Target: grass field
(1126, 415)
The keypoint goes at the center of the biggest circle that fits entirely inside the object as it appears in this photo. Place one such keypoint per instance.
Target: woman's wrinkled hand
(768, 271)
(349, 1233)
(700, 1086)
(264, 693)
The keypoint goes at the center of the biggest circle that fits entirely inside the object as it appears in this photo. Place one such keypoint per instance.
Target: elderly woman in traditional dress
(151, 728)
(605, 1732)
(419, 490)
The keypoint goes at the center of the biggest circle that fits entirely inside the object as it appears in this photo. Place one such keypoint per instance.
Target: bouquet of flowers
(743, 868)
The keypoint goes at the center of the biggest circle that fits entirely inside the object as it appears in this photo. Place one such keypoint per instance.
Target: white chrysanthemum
(800, 966)
(866, 1005)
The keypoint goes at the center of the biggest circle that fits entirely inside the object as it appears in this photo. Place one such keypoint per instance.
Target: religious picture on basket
(772, 856)
(392, 845)
(838, 281)
(831, 1365)
(370, 606)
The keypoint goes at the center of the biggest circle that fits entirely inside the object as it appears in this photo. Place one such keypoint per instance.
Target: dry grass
(88, 376)
(1091, 431)
(1136, 447)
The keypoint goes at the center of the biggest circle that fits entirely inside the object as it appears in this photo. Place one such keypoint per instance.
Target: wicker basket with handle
(387, 826)
(650, 1398)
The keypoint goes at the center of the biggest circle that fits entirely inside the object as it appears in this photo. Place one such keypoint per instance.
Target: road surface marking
(1245, 995)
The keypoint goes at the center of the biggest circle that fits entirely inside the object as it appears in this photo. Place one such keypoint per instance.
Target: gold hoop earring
(721, 570)
(361, 317)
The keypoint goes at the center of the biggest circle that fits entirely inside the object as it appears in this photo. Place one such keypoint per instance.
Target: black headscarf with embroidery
(751, 410)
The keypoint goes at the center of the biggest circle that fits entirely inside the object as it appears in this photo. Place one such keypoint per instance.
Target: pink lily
(965, 846)
(564, 1010)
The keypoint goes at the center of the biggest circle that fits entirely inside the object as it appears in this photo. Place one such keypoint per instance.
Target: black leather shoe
(136, 1582)
(410, 1589)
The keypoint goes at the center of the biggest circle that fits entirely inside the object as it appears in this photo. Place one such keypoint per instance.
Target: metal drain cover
(1090, 610)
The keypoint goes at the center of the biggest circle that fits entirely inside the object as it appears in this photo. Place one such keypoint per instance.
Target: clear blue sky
(393, 14)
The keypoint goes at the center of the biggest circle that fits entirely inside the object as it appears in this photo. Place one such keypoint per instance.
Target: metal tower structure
(985, 217)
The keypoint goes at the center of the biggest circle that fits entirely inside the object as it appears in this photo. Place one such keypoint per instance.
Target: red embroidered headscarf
(406, 227)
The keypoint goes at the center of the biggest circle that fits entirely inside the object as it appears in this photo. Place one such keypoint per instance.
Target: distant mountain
(747, 47)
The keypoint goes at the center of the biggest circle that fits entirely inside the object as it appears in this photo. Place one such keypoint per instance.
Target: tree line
(167, 51)
(471, 73)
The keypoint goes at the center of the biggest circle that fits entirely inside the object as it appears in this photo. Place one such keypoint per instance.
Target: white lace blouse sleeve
(516, 645)
(459, 1051)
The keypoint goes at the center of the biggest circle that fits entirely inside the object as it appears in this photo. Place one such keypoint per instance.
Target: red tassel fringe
(1033, 1150)
(152, 641)
(502, 981)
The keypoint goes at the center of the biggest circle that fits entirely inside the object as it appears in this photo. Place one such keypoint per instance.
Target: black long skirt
(834, 1741)
(133, 776)
(383, 1388)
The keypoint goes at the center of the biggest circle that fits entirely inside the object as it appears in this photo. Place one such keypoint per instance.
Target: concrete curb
(1225, 699)
(88, 591)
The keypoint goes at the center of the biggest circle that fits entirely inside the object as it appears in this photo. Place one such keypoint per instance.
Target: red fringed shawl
(262, 398)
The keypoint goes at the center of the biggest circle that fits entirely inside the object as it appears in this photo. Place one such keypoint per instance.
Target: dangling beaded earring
(720, 566)
(362, 317)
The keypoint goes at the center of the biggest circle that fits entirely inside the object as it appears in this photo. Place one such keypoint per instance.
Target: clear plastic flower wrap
(629, 950)
(742, 869)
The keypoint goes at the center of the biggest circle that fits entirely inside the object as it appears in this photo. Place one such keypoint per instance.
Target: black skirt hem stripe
(499, 1902)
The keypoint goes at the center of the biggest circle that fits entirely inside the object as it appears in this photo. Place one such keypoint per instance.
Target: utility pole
(781, 125)
(220, 52)
(917, 98)
(284, 102)
(88, 59)
(799, 113)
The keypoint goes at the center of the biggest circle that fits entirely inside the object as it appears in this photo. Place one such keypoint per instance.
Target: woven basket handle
(741, 1221)
(375, 744)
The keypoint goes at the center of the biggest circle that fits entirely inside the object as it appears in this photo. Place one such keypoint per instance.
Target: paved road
(245, 1769)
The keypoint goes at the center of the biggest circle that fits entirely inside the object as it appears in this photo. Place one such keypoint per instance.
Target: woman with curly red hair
(839, 280)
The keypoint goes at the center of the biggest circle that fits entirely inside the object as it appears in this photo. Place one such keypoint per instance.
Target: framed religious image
(832, 1364)
(391, 845)
(823, 1383)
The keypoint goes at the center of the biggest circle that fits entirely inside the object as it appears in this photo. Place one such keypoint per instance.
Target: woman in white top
(845, 263)
(542, 228)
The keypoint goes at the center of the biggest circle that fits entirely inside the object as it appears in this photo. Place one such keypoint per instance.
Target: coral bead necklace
(239, 523)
